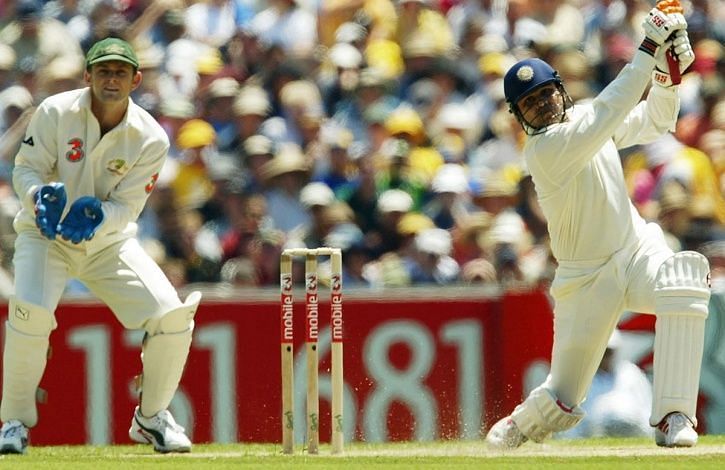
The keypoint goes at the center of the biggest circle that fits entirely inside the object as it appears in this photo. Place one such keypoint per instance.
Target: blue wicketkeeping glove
(50, 201)
(82, 220)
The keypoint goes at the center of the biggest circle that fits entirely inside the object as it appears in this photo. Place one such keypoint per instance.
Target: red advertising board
(416, 366)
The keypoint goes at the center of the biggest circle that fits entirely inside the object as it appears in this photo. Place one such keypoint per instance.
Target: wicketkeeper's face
(542, 107)
(112, 81)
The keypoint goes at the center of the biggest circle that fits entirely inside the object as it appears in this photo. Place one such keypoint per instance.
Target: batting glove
(683, 49)
(50, 201)
(83, 219)
(678, 21)
(661, 57)
(658, 27)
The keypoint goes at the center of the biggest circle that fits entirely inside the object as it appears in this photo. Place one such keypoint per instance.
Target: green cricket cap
(111, 49)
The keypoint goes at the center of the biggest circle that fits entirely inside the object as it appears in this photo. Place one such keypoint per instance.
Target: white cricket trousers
(589, 298)
(121, 275)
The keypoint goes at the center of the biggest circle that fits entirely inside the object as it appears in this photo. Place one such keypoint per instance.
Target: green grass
(589, 453)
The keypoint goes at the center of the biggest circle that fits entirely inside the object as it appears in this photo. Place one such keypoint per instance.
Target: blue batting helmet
(527, 75)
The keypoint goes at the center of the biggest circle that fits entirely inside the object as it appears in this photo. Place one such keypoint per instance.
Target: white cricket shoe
(675, 430)
(505, 435)
(160, 430)
(13, 437)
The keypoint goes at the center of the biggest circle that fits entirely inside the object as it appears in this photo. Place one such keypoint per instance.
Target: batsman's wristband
(648, 46)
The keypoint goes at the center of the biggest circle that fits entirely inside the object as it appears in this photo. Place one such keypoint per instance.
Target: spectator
(342, 77)
(214, 22)
(179, 235)
(285, 175)
(418, 18)
(465, 236)
(183, 58)
(392, 206)
(105, 20)
(225, 175)
(419, 161)
(362, 194)
(301, 108)
(497, 193)
(376, 16)
(9, 207)
(507, 246)
(450, 202)
(62, 74)
(191, 184)
(148, 94)
(286, 25)
(350, 239)
(563, 22)
(693, 125)
(667, 159)
(317, 198)
(674, 215)
(217, 110)
(14, 101)
(257, 151)
(173, 113)
(36, 38)
(370, 104)
(251, 236)
(501, 151)
(251, 107)
(7, 65)
(16, 106)
(409, 226)
(490, 13)
(430, 262)
(336, 170)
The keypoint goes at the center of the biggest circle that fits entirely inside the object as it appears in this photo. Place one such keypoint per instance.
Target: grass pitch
(589, 453)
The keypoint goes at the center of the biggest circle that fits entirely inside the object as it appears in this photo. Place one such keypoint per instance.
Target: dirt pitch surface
(557, 449)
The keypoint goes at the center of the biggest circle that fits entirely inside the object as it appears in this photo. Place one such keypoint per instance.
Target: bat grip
(674, 67)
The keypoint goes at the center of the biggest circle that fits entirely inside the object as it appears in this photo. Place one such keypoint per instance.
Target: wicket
(311, 336)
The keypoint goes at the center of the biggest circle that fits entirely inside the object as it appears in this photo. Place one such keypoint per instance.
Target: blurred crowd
(375, 126)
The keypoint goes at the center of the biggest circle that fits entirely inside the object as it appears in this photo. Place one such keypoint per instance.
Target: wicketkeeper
(89, 161)
(609, 259)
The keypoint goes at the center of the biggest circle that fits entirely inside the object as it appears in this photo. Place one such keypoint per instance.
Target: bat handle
(674, 67)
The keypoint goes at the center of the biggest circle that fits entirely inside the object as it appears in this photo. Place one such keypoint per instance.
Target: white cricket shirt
(577, 171)
(63, 143)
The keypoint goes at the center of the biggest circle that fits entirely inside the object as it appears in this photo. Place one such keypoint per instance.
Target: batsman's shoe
(160, 430)
(675, 430)
(13, 437)
(505, 435)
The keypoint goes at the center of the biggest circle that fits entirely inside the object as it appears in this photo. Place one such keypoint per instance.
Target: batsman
(89, 161)
(609, 259)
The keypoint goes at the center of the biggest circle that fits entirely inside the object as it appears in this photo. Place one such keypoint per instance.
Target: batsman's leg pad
(27, 333)
(682, 285)
(682, 297)
(542, 414)
(164, 356)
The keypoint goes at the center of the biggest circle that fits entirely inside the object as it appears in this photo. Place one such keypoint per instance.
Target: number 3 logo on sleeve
(150, 186)
(76, 152)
